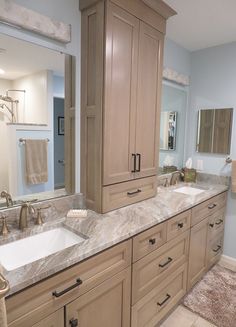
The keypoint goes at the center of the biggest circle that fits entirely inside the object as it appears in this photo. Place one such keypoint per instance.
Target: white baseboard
(228, 262)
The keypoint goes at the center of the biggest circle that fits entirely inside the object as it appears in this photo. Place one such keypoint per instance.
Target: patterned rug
(214, 297)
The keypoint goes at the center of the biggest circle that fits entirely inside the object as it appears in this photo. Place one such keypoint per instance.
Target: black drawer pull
(180, 225)
(152, 241)
(168, 296)
(58, 294)
(218, 248)
(212, 206)
(139, 162)
(219, 222)
(134, 156)
(166, 263)
(135, 192)
(74, 322)
(211, 225)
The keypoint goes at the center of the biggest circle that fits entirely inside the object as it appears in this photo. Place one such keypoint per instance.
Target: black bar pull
(74, 322)
(134, 156)
(135, 192)
(139, 163)
(218, 248)
(152, 241)
(166, 263)
(168, 296)
(180, 225)
(219, 222)
(212, 206)
(58, 294)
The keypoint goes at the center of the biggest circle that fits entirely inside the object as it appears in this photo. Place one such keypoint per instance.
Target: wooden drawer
(157, 303)
(33, 304)
(150, 271)
(149, 241)
(178, 225)
(215, 248)
(216, 223)
(207, 208)
(123, 194)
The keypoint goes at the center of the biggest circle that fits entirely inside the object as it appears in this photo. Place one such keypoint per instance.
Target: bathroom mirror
(35, 105)
(172, 127)
(214, 130)
(168, 130)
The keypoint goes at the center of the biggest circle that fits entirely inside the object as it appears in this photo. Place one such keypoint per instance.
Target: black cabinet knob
(152, 241)
(74, 322)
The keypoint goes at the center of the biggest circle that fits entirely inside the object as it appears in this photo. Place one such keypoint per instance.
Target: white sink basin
(22, 252)
(189, 190)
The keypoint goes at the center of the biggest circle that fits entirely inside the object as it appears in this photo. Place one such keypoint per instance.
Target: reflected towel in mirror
(36, 161)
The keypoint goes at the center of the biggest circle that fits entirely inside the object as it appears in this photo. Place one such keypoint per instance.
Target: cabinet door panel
(197, 252)
(54, 320)
(148, 99)
(106, 305)
(120, 95)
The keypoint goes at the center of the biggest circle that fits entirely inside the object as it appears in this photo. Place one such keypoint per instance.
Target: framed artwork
(61, 126)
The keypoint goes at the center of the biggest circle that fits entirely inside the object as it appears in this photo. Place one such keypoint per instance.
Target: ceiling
(19, 58)
(202, 23)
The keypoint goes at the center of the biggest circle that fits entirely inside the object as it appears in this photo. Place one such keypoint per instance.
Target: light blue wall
(68, 12)
(213, 81)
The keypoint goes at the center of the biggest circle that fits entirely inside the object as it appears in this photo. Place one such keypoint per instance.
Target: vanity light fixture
(2, 72)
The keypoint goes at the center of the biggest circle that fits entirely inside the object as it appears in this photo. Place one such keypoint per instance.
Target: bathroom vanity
(135, 266)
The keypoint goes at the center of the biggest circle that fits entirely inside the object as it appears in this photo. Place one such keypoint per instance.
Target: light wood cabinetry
(106, 305)
(122, 51)
(56, 319)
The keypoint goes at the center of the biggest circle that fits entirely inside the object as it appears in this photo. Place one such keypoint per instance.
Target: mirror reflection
(32, 122)
(168, 131)
(214, 130)
(172, 130)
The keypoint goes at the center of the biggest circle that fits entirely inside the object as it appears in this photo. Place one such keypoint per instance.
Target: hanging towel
(36, 161)
(233, 176)
(3, 314)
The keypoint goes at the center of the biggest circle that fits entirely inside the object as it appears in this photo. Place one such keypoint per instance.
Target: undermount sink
(189, 190)
(27, 250)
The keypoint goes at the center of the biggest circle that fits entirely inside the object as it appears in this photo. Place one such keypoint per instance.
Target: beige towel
(36, 161)
(3, 314)
(233, 176)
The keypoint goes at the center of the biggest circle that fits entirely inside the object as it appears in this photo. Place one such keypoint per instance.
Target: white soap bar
(77, 213)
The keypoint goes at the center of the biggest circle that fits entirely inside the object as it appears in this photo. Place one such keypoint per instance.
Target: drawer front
(216, 223)
(207, 208)
(150, 271)
(215, 248)
(33, 304)
(149, 241)
(123, 194)
(156, 304)
(178, 225)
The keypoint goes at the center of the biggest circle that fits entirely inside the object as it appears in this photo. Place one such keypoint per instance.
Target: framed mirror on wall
(37, 124)
(214, 131)
(173, 126)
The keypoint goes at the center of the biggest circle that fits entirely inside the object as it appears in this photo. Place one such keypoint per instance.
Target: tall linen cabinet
(121, 75)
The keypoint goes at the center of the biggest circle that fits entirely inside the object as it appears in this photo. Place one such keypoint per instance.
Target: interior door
(148, 100)
(120, 95)
(107, 305)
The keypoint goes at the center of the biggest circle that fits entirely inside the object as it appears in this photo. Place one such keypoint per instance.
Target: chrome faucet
(7, 196)
(174, 177)
(26, 209)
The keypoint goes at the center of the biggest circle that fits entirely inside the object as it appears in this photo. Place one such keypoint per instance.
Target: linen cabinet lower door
(56, 319)
(107, 305)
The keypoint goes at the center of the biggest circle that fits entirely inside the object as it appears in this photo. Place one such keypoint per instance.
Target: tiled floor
(182, 317)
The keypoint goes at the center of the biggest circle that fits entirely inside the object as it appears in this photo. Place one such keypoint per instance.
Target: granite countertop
(105, 230)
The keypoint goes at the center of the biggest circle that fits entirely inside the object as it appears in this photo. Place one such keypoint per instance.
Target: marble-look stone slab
(16, 15)
(212, 179)
(104, 231)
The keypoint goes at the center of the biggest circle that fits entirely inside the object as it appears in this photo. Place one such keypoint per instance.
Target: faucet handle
(39, 219)
(5, 229)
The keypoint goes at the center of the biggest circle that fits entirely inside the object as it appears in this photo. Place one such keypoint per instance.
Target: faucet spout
(26, 209)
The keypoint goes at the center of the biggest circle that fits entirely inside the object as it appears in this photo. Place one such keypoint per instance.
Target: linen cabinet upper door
(148, 100)
(120, 95)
